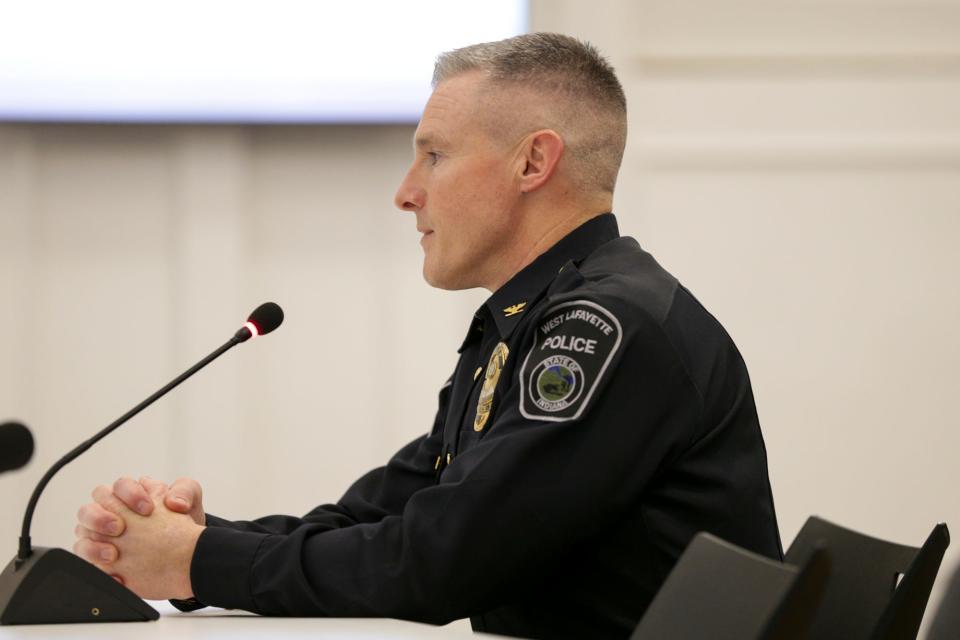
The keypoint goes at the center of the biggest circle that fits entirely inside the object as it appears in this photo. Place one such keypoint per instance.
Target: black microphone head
(263, 320)
(266, 317)
(16, 446)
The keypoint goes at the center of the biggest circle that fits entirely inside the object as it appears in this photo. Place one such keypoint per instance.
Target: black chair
(722, 592)
(878, 590)
(946, 621)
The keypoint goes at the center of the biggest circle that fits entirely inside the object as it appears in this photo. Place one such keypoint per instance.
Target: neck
(539, 234)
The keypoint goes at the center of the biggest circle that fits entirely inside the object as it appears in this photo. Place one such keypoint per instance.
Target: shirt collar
(509, 303)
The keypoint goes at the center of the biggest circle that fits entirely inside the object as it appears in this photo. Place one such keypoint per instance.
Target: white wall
(795, 164)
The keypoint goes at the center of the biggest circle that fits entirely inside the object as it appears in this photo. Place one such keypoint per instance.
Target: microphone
(50, 585)
(262, 321)
(16, 446)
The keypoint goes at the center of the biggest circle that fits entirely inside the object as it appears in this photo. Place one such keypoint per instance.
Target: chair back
(877, 590)
(946, 621)
(904, 614)
(720, 591)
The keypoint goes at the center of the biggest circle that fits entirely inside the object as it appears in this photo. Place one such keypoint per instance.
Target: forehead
(451, 110)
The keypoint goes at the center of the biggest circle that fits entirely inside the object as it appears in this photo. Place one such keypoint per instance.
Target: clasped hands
(143, 533)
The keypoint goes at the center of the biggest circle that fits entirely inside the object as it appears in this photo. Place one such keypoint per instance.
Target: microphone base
(54, 586)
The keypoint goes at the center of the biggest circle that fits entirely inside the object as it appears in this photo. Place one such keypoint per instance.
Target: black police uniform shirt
(598, 418)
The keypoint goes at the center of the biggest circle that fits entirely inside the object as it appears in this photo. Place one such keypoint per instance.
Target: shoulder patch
(574, 344)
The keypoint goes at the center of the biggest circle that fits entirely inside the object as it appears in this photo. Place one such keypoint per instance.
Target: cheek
(482, 188)
(469, 200)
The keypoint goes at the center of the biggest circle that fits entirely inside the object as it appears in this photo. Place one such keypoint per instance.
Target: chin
(446, 281)
(430, 276)
(438, 283)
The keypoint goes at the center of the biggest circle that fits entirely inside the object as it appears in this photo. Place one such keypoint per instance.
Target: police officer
(597, 419)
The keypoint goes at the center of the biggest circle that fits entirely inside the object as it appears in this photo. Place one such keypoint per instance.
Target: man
(597, 419)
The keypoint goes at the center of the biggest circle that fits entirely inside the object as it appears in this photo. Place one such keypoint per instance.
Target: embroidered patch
(558, 383)
(574, 344)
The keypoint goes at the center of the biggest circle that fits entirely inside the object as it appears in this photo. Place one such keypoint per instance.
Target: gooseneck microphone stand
(50, 585)
(25, 550)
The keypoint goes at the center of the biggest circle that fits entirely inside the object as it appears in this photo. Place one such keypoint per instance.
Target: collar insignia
(514, 309)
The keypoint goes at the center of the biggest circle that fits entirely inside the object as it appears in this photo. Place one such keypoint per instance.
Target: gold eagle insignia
(514, 309)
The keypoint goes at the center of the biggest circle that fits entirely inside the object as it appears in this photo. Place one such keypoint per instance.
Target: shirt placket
(465, 380)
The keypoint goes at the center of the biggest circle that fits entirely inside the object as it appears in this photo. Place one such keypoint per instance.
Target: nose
(409, 196)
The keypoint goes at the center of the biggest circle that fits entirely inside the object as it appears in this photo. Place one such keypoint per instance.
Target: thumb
(184, 496)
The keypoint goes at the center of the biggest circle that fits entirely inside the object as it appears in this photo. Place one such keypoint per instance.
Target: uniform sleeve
(379, 493)
(531, 488)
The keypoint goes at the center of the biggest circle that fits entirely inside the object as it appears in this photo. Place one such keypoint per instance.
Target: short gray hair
(591, 109)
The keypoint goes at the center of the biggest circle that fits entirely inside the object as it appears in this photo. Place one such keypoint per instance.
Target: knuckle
(82, 548)
(153, 486)
(102, 538)
(89, 514)
(123, 485)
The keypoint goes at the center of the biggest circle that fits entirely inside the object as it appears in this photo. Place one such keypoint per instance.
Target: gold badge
(485, 404)
(514, 309)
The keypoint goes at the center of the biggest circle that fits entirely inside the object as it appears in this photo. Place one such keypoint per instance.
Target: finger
(81, 531)
(184, 495)
(96, 518)
(134, 495)
(155, 488)
(104, 496)
(98, 553)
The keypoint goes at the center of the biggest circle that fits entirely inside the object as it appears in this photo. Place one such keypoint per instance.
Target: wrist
(185, 590)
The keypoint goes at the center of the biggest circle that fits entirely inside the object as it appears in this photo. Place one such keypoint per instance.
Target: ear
(541, 155)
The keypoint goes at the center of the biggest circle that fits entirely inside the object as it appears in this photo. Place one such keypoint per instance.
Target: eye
(433, 157)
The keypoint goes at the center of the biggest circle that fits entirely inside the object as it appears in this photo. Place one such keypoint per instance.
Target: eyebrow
(428, 140)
